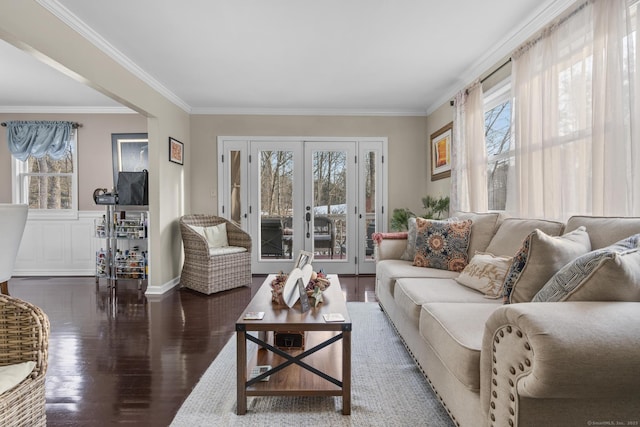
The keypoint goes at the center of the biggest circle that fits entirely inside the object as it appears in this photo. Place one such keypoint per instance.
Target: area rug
(387, 388)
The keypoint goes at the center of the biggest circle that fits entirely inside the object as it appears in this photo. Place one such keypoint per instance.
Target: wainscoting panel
(59, 247)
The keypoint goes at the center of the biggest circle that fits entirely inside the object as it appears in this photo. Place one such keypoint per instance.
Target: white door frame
(360, 263)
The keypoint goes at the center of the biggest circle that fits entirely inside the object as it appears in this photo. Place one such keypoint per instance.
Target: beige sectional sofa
(575, 362)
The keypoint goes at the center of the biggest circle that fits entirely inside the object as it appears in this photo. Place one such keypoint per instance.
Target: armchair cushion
(226, 250)
(216, 235)
(12, 375)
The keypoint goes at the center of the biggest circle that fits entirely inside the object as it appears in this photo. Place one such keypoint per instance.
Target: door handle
(308, 218)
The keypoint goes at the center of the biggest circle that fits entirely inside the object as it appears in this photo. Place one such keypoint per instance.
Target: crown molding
(308, 112)
(541, 17)
(96, 39)
(35, 109)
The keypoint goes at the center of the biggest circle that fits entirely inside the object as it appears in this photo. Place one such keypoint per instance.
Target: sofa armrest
(389, 245)
(567, 350)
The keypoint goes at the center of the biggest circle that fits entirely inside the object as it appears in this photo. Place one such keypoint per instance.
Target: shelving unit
(125, 253)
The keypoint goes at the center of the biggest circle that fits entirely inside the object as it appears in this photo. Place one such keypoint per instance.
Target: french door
(320, 195)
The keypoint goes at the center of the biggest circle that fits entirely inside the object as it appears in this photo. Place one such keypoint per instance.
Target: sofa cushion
(12, 375)
(605, 231)
(540, 257)
(512, 232)
(455, 333)
(442, 244)
(388, 270)
(485, 273)
(410, 294)
(482, 229)
(607, 274)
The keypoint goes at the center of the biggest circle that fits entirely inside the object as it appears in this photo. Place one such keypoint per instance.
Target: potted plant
(434, 208)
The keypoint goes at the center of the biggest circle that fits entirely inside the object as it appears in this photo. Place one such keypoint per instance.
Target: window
(47, 185)
(497, 124)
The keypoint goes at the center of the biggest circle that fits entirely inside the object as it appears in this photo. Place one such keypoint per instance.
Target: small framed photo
(176, 151)
(441, 152)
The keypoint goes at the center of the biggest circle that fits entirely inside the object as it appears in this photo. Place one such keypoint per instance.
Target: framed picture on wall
(130, 153)
(441, 152)
(176, 151)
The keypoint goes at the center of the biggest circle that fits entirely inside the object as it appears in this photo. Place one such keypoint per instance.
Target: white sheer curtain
(575, 147)
(469, 152)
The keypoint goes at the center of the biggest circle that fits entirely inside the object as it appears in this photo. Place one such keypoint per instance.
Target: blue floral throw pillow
(442, 244)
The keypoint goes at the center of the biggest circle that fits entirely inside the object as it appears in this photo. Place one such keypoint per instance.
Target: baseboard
(164, 288)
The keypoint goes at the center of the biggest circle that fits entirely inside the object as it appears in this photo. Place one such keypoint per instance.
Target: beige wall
(95, 168)
(435, 121)
(407, 151)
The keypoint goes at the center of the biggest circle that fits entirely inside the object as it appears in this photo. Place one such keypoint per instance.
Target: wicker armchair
(207, 273)
(24, 336)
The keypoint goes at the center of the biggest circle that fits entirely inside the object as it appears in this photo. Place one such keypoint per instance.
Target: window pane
(497, 123)
(370, 200)
(276, 204)
(47, 165)
(49, 192)
(329, 202)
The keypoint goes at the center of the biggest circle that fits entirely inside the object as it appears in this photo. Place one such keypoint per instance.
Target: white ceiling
(283, 56)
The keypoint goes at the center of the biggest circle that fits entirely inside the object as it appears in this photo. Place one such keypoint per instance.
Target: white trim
(101, 43)
(26, 109)
(546, 13)
(308, 112)
(164, 288)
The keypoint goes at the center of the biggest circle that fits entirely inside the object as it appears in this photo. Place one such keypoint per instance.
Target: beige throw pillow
(512, 231)
(410, 251)
(485, 273)
(607, 274)
(540, 257)
(216, 235)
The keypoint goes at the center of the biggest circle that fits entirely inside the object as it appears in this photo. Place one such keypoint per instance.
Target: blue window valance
(39, 138)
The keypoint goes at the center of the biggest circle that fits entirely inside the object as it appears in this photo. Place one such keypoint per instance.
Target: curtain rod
(488, 76)
(74, 125)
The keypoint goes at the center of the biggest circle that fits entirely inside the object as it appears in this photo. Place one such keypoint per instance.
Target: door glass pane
(276, 204)
(370, 200)
(329, 204)
(235, 182)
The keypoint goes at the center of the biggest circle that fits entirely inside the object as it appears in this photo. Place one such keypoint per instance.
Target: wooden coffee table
(326, 368)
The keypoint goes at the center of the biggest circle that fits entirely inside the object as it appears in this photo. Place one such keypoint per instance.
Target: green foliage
(435, 208)
(400, 219)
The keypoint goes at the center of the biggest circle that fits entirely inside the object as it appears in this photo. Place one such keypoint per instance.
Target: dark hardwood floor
(125, 358)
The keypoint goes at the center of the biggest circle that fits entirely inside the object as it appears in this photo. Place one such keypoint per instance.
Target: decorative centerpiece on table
(314, 288)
